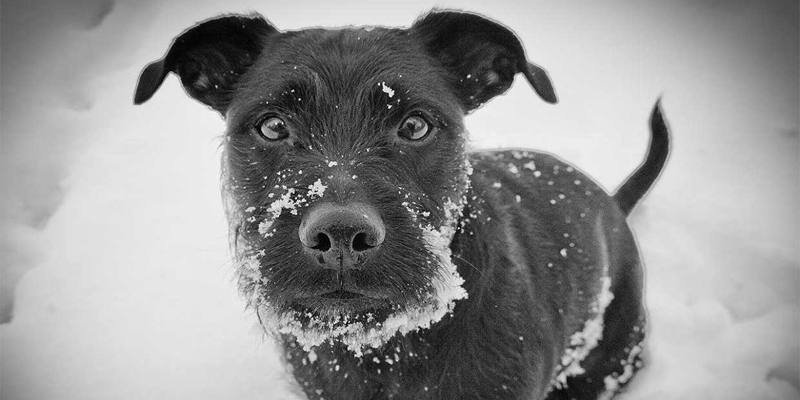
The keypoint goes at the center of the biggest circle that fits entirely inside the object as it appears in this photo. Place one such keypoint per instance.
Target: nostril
(360, 242)
(323, 242)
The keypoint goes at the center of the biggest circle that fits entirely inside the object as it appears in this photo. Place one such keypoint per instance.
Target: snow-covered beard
(357, 333)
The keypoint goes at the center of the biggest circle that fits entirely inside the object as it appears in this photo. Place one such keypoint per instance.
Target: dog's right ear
(481, 56)
(209, 58)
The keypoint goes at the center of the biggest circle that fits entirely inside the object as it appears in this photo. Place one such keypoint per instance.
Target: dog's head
(344, 163)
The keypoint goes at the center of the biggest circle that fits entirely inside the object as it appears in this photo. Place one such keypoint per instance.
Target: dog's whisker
(469, 264)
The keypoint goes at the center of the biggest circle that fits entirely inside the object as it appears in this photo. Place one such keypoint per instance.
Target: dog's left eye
(414, 128)
(272, 128)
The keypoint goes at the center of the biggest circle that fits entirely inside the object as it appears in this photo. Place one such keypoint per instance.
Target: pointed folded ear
(209, 58)
(481, 55)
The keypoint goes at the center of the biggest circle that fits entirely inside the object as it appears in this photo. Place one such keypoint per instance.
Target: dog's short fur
(489, 275)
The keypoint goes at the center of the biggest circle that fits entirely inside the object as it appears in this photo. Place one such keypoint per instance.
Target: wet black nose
(342, 236)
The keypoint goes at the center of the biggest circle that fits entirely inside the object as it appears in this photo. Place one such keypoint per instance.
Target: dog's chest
(396, 371)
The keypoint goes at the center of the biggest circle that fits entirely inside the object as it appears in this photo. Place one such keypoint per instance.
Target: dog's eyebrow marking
(304, 73)
(398, 94)
(301, 85)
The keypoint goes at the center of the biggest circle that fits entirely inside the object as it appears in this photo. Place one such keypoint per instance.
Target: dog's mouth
(341, 294)
(364, 308)
(342, 302)
(341, 308)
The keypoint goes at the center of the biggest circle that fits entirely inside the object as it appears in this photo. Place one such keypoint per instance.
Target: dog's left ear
(209, 58)
(481, 55)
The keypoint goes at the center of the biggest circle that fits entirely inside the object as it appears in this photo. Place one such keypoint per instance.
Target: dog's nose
(341, 236)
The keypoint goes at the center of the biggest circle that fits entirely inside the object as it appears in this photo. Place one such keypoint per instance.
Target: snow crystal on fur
(614, 382)
(582, 342)
(317, 189)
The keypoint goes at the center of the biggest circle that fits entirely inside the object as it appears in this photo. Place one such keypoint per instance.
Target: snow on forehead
(386, 89)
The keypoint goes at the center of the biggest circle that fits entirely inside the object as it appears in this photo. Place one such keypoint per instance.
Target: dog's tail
(640, 181)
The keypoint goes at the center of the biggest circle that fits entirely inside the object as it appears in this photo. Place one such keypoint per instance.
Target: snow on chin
(446, 289)
(446, 285)
(357, 336)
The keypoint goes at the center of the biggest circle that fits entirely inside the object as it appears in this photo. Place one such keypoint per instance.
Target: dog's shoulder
(537, 177)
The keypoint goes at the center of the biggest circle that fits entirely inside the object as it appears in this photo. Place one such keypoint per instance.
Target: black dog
(388, 261)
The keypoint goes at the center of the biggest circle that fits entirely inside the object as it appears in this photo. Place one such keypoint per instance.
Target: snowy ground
(111, 214)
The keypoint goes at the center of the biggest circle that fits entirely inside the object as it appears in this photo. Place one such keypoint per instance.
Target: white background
(114, 239)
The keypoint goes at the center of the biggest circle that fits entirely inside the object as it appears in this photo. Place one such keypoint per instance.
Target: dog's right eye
(414, 128)
(272, 128)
